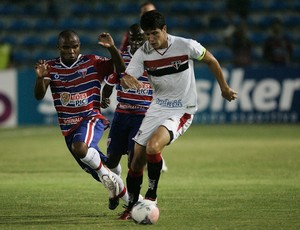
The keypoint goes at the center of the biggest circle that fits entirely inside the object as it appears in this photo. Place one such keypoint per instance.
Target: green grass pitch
(219, 177)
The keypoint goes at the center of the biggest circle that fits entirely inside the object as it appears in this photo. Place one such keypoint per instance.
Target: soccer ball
(145, 212)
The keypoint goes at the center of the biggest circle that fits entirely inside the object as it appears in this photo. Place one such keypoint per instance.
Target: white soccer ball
(145, 212)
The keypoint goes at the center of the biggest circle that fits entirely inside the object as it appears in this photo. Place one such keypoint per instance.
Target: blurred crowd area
(235, 31)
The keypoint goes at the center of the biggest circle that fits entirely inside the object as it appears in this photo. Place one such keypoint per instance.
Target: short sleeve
(197, 50)
(112, 79)
(104, 66)
(135, 67)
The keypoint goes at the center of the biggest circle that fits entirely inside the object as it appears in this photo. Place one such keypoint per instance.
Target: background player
(144, 7)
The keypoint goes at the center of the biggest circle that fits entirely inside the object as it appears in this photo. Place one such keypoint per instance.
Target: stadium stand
(32, 27)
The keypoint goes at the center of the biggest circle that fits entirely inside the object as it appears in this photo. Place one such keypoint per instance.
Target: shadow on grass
(55, 219)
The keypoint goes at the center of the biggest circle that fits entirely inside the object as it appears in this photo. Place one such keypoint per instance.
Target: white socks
(93, 160)
(117, 170)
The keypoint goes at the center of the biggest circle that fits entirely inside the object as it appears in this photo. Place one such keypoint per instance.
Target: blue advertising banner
(265, 95)
(30, 110)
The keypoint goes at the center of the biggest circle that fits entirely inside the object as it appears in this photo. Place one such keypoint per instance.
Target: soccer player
(131, 108)
(144, 7)
(168, 60)
(75, 82)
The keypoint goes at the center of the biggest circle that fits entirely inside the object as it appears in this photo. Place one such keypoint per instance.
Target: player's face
(135, 41)
(157, 38)
(69, 49)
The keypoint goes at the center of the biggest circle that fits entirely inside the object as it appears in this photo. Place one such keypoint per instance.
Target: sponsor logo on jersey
(145, 90)
(73, 120)
(169, 103)
(78, 99)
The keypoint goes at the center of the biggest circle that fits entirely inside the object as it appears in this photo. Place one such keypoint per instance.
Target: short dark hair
(135, 29)
(152, 20)
(66, 34)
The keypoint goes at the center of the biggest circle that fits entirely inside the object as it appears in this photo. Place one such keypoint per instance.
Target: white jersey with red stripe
(170, 72)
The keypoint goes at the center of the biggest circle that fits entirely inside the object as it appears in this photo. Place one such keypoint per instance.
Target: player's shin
(154, 164)
(134, 182)
(93, 160)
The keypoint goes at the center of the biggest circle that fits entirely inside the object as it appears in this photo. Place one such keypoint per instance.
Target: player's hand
(41, 68)
(229, 94)
(130, 82)
(105, 40)
(105, 102)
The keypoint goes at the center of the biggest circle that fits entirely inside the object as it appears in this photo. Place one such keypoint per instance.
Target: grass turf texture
(219, 177)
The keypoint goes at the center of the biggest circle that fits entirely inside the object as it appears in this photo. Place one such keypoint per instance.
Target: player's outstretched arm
(107, 41)
(213, 64)
(41, 69)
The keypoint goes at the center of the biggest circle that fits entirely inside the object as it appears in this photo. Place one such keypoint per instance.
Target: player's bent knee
(152, 148)
(79, 149)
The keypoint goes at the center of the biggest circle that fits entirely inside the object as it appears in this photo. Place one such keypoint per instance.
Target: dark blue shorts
(90, 132)
(124, 127)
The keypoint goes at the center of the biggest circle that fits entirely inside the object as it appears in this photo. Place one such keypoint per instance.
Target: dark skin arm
(106, 92)
(107, 41)
(41, 85)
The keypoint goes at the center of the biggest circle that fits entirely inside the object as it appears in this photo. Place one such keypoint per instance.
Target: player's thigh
(90, 132)
(177, 125)
(158, 140)
(149, 124)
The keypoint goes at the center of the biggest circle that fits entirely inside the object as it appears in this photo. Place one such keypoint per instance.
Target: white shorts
(176, 122)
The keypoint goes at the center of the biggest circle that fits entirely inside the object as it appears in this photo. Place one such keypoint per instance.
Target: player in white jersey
(169, 62)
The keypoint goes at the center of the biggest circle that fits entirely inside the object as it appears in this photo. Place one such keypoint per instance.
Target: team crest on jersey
(82, 72)
(65, 98)
(176, 64)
